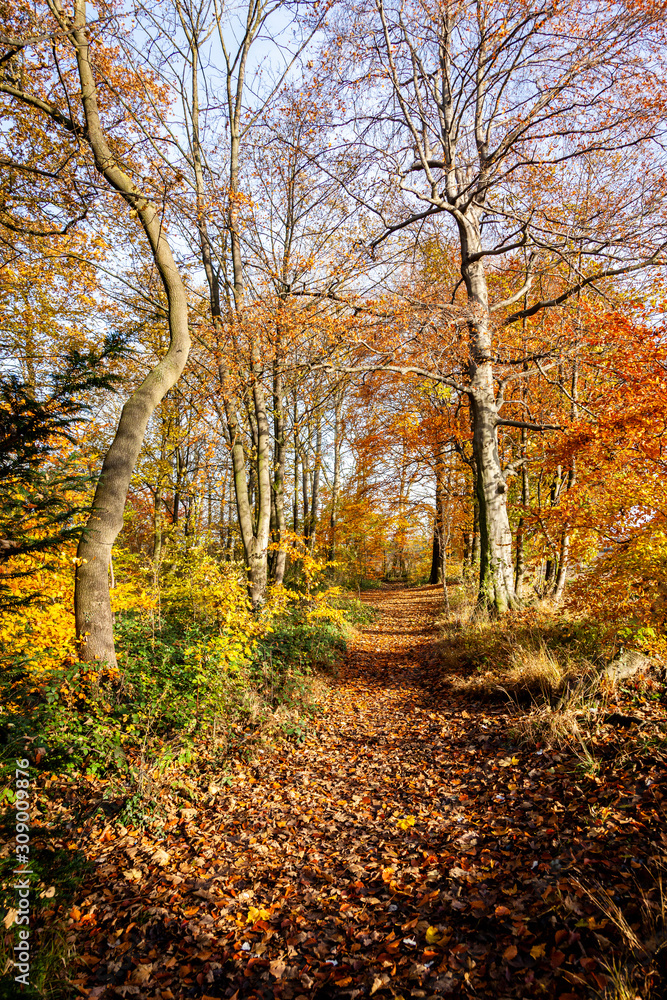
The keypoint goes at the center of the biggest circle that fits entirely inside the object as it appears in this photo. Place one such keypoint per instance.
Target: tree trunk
(94, 623)
(335, 489)
(180, 466)
(561, 576)
(496, 570)
(305, 476)
(278, 496)
(436, 560)
(520, 538)
(571, 480)
(295, 494)
(157, 531)
(551, 565)
(254, 533)
(549, 572)
(159, 503)
(444, 542)
(520, 559)
(496, 573)
(315, 492)
(474, 538)
(438, 525)
(467, 554)
(222, 527)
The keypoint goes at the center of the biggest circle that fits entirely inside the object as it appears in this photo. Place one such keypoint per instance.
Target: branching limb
(502, 422)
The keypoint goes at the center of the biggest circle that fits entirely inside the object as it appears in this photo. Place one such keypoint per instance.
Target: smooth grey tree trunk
(313, 515)
(335, 488)
(496, 571)
(295, 494)
(278, 495)
(520, 531)
(564, 560)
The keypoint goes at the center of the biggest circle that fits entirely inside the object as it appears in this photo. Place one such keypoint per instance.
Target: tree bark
(466, 558)
(496, 574)
(335, 488)
(520, 534)
(436, 560)
(496, 570)
(278, 495)
(295, 494)
(305, 479)
(254, 534)
(315, 491)
(474, 538)
(564, 560)
(438, 523)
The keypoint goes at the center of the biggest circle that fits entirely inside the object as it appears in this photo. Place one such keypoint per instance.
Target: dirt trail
(392, 854)
(386, 670)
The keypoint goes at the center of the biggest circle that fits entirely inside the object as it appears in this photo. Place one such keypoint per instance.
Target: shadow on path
(408, 848)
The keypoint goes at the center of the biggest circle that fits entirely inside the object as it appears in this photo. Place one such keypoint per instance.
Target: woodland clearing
(410, 843)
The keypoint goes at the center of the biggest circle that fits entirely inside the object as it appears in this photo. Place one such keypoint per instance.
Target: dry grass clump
(567, 717)
(642, 929)
(541, 661)
(538, 671)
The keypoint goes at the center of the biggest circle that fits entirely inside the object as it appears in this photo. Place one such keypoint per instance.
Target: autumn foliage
(333, 496)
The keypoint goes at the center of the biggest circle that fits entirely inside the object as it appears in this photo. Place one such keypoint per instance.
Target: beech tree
(488, 114)
(57, 80)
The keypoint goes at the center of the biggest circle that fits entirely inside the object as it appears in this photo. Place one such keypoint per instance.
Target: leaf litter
(409, 847)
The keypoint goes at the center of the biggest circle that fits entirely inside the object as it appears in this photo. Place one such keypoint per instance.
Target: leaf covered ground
(408, 844)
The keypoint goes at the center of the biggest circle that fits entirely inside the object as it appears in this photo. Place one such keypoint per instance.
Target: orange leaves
(351, 898)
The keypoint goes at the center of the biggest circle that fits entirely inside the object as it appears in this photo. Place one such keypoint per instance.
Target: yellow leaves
(256, 913)
(537, 951)
(508, 762)
(42, 635)
(434, 935)
(405, 822)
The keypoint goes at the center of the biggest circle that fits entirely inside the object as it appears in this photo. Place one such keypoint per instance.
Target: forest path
(385, 675)
(406, 848)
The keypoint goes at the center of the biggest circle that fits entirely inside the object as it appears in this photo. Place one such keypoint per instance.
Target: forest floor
(409, 846)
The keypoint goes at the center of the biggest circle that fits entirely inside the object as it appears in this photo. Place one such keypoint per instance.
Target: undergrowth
(197, 669)
(548, 664)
